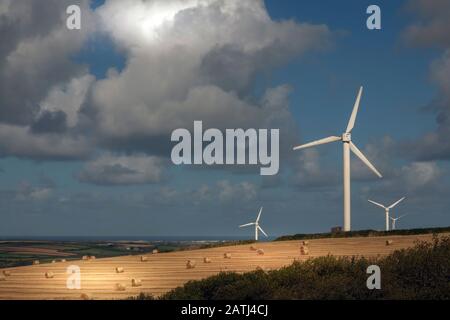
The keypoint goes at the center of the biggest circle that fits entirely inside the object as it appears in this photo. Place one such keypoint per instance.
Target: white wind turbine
(394, 220)
(256, 224)
(386, 209)
(348, 145)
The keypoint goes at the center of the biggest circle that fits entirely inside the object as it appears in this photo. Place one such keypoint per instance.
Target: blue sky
(45, 195)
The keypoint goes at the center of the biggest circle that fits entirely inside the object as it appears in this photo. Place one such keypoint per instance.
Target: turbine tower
(386, 209)
(394, 220)
(347, 145)
(256, 224)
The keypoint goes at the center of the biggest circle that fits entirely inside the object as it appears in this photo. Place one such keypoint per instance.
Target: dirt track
(166, 271)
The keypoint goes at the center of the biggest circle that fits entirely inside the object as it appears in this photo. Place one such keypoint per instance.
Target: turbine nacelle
(346, 137)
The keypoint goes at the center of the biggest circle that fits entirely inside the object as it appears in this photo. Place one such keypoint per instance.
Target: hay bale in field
(85, 258)
(85, 296)
(35, 262)
(119, 270)
(120, 287)
(260, 252)
(49, 275)
(2, 278)
(253, 248)
(155, 251)
(304, 250)
(227, 255)
(305, 243)
(207, 260)
(144, 259)
(63, 260)
(6, 273)
(92, 258)
(53, 261)
(190, 264)
(136, 282)
(389, 242)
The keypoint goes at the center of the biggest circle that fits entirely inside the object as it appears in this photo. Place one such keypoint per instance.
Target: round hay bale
(85, 296)
(120, 287)
(49, 275)
(190, 264)
(85, 258)
(120, 270)
(6, 273)
(2, 278)
(304, 250)
(63, 260)
(53, 261)
(389, 242)
(227, 255)
(35, 262)
(260, 252)
(136, 282)
(155, 251)
(92, 258)
(253, 248)
(144, 259)
(305, 243)
(207, 260)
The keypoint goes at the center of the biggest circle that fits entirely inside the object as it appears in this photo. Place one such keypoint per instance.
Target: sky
(86, 115)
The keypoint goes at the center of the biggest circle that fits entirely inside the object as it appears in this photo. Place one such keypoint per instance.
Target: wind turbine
(256, 224)
(348, 145)
(386, 209)
(394, 220)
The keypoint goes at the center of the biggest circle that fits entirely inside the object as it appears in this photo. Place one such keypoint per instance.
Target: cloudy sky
(86, 115)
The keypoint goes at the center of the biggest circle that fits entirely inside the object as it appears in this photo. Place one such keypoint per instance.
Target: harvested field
(165, 271)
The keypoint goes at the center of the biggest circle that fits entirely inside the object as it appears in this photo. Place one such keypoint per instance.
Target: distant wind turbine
(394, 220)
(256, 224)
(348, 145)
(386, 209)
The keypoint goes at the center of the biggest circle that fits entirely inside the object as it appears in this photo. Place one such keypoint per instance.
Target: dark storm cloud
(48, 121)
(35, 54)
(431, 29)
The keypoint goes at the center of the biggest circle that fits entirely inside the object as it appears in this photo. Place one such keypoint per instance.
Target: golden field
(165, 271)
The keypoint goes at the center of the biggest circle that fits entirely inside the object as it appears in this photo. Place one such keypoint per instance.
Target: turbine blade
(247, 224)
(260, 229)
(259, 214)
(318, 142)
(363, 158)
(377, 204)
(403, 215)
(351, 122)
(396, 203)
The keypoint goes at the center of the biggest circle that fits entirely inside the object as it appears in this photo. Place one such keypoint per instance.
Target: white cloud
(123, 170)
(19, 141)
(197, 60)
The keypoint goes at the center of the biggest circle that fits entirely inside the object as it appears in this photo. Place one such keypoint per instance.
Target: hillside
(165, 271)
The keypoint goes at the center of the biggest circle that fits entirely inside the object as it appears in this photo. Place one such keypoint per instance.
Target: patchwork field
(165, 271)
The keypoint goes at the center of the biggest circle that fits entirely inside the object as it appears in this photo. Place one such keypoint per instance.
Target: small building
(336, 229)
